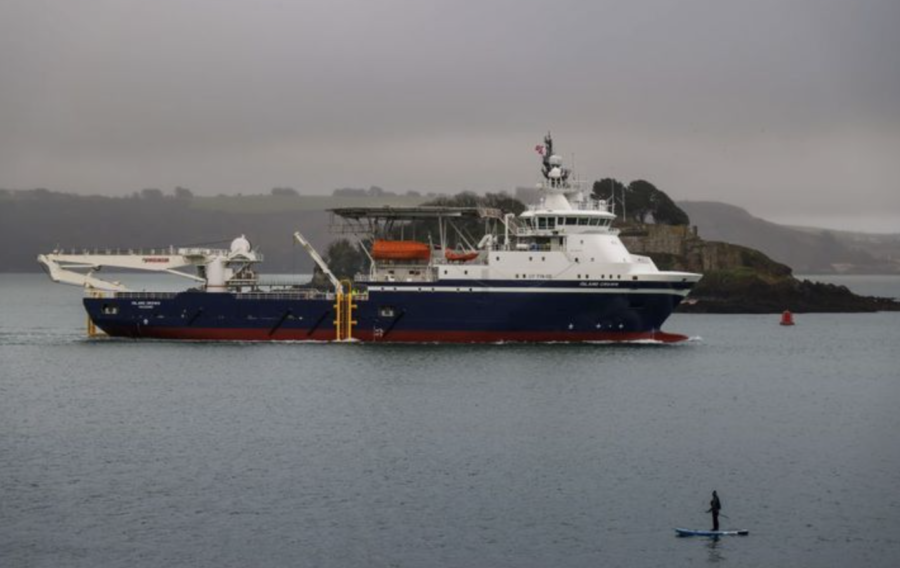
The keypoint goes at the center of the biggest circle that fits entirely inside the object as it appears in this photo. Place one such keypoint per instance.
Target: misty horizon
(788, 111)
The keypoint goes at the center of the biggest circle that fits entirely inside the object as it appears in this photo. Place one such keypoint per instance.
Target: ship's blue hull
(464, 313)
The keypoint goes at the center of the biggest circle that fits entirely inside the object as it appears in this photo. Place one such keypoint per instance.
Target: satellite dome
(555, 160)
(240, 245)
(555, 173)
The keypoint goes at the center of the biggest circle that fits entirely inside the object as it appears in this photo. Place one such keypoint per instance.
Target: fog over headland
(789, 109)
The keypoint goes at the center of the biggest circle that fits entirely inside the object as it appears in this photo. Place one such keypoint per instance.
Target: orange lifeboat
(400, 250)
(454, 256)
(787, 318)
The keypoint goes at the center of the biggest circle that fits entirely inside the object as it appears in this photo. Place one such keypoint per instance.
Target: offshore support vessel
(556, 272)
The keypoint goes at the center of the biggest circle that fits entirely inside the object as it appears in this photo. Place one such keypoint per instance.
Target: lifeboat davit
(454, 256)
(787, 318)
(400, 250)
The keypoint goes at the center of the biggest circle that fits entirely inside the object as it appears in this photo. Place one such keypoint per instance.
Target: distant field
(279, 203)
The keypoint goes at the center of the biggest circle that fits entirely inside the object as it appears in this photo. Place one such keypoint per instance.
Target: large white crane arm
(221, 265)
(78, 269)
(65, 275)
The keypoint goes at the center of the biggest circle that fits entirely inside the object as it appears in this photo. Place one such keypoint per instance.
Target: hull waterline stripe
(398, 336)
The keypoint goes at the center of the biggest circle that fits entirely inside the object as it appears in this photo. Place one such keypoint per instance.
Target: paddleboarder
(714, 507)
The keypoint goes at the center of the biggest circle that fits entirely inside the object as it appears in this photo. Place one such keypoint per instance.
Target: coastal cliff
(738, 279)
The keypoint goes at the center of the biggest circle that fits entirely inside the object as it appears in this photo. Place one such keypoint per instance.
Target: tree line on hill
(41, 220)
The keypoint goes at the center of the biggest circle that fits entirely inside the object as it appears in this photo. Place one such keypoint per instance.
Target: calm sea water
(118, 453)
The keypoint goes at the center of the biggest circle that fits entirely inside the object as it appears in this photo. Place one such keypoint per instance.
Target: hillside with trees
(38, 221)
(806, 250)
(736, 278)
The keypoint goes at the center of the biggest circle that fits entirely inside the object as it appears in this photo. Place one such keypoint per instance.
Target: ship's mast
(558, 192)
(554, 174)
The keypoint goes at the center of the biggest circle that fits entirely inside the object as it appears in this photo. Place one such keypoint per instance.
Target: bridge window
(583, 221)
(571, 220)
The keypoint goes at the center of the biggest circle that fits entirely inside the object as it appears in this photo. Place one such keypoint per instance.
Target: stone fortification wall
(679, 247)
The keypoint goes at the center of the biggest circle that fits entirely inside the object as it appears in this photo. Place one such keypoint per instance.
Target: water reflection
(714, 551)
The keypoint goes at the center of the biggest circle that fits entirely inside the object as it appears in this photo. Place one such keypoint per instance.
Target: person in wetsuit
(714, 507)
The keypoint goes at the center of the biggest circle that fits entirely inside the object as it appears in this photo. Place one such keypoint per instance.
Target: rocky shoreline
(719, 293)
(741, 280)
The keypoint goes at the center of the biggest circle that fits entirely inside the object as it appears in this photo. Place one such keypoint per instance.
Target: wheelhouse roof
(566, 213)
(423, 212)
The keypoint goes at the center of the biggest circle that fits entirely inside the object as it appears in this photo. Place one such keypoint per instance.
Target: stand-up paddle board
(692, 532)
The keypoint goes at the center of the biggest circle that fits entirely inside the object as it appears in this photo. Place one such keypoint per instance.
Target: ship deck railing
(309, 294)
(165, 251)
(142, 295)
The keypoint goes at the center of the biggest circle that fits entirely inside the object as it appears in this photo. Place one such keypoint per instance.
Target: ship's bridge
(539, 222)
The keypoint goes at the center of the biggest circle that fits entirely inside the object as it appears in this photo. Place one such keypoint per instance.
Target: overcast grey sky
(789, 108)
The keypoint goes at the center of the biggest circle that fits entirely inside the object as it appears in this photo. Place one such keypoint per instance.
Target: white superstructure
(567, 236)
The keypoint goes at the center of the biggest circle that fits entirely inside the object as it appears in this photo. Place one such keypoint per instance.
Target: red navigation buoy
(787, 318)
